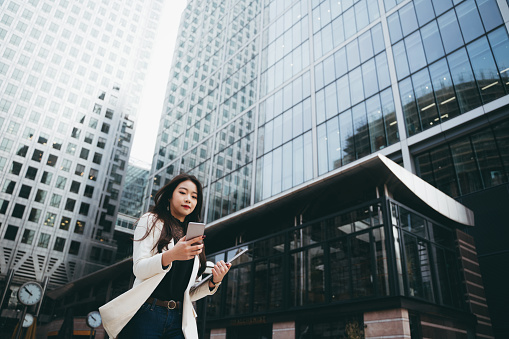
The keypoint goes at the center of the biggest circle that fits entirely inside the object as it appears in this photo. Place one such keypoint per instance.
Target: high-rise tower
(268, 100)
(71, 78)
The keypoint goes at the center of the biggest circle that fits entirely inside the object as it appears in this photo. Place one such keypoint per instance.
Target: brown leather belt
(171, 304)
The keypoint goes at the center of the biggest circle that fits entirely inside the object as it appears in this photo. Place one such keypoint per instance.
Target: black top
(175, 282)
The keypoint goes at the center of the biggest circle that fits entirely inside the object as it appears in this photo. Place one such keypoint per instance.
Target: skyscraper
(130, 207)
(270, 99)
(71, 77)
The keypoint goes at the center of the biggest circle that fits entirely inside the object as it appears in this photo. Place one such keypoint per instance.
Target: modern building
(135, 183)
(269, 102)
(71, 78)
(131, 207)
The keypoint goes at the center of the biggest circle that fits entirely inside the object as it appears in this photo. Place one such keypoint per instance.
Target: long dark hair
(161, 209)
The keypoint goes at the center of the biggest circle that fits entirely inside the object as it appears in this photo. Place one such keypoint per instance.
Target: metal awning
(373, 171)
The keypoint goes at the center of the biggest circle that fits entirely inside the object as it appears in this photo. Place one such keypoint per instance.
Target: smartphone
(195, 229)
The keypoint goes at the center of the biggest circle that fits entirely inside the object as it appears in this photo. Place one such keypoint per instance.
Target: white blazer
(149, 272)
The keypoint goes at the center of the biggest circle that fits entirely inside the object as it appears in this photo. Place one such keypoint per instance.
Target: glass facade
(131, 200)
(449, 59)
(266, 96)
(341, 258)
(468, 164)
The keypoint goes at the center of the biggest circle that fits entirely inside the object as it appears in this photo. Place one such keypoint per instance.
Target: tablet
(195, 229)
(208, 277)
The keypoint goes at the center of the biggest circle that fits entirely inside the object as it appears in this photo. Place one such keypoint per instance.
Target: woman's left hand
(219, 271)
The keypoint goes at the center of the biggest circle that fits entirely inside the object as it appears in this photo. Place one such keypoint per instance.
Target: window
(64, 223)
(13, 128)
(80, 170)
(22, 150)
(60, 182)
(84, 208)
(37, 155)
(101, 143)
(89, 137)
(44, 240)
(50, 219)
(19, 111)
(24, 192)
(15, 168)
(3, 206)
(79, 227)
(92, 123)
(71, 148)
(66, 165)
(3, 161)
(74, 248)
(35, 215)
(81, 118)
(89, 191)
(75, 187)
(31, 173)
(93, 174)
(105, 128)
(28, 133)
(69, 204)
(84, 153)
(41, 196)
(43, 138)
(95, 253)
(6, 144)
(11, 232)
(109, 113)
(28, 237)
(55, 200)
(18, 211)
(57, 143)
(46, 177)
(75, 133)
(97, 158)
(59, 244)
(97, 109)
(8, 186)
(52, 160)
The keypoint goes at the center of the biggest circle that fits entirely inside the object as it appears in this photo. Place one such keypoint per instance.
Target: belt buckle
(172, 304)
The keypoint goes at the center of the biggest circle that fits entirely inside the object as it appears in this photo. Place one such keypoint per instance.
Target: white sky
(151, 103)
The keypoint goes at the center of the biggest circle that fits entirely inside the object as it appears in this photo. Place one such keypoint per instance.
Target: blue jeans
(154, 322)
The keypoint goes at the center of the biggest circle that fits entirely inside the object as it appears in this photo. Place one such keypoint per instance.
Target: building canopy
(377, 174)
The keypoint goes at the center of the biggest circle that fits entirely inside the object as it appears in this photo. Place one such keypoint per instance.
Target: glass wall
(336, 21)
(340, 258)
(428, 266)
(449, 58)
(317, 80)
(232, 168)
(468, 164)
(355, 110)
(284, 139)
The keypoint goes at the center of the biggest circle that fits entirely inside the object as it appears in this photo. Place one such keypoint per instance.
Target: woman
(166, 266)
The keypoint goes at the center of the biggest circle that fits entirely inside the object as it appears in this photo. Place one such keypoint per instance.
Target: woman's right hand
(183, 250)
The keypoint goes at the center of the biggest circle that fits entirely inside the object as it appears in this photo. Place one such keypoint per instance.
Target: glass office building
(130, 207)
(271, 103)
(71, 77)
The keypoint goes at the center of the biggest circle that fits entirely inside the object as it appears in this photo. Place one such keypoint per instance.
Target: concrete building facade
(71, 78)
